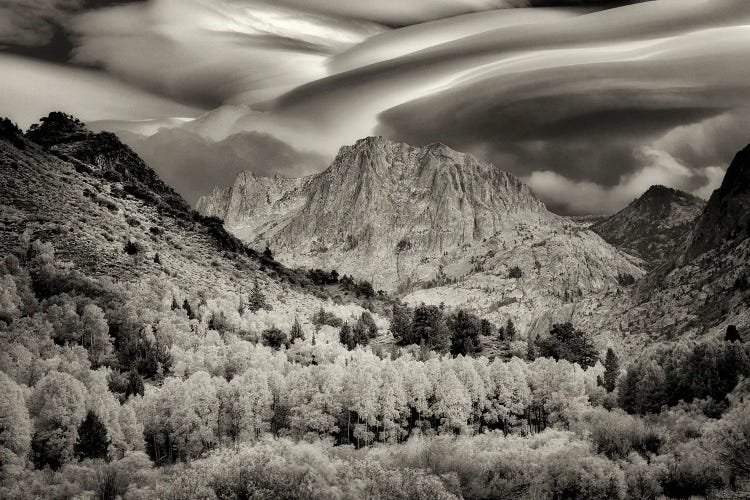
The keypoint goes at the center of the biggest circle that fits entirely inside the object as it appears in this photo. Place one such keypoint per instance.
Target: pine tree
(346, 337)
(360, 333)
(401, 324)
(256, 300)
(439, 338)
(485, 328)
(510, 331)
(369, 324)
(611, 370)
(465, 331)
(569, 343)
(93, 441)
(531, 353)
(296, 331)
(188, 309)
(135, 384)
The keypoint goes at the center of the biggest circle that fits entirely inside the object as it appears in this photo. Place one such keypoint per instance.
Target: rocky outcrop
(254, 200)
(727, 214)
(653, 226)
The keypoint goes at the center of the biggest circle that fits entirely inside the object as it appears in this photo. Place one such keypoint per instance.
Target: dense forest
(111, 390)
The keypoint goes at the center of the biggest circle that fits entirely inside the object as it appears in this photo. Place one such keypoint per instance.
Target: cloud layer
(587, 104)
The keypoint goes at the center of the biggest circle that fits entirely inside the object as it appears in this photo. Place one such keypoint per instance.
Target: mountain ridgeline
(653, 226)
(726, 218)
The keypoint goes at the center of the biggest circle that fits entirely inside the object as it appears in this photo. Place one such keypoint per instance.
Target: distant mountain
(254, 200)
(654, 226)
(727, 214)
(432, 223)
(698, 291)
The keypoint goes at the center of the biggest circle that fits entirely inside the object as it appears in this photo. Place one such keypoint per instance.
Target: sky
(589, 102)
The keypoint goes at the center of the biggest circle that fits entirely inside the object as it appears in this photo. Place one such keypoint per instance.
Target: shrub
(515, 272)
(566, 342)
(132, 248)
(625, 279)
(274, 338)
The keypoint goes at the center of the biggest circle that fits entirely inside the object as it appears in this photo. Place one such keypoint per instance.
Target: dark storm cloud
(406, 12)
(39, 28)
(193, 165)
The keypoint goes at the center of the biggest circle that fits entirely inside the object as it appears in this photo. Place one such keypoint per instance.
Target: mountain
(429, 222)
(727, 214)
(109, 216)
(700, 290)
(653, 226)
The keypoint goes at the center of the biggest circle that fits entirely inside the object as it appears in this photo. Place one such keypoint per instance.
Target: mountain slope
(703, 288)
(108, 215)
(654, 225)
(727, 214)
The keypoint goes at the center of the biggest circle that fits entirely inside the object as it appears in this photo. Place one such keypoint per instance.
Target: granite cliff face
(402, 217)
(654, 226)
(431, 223)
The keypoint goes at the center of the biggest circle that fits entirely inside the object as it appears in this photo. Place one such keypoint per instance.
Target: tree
(93, 441)
(429, 326)
(15, 425)
(465, 330)
(188, 309)
(452, 404)
(360, 333)
(274, 338)
(365, 289)
(486, 328)
(650, 390)
(732, 334)
(267, 253)
(134, 386)
(569, 343)
(369, 323)
(346, 337)
(95, 334)
(57, 405)
(510, 331)
(257, 300)
(401, 324)
(611, 370)
(296, 331)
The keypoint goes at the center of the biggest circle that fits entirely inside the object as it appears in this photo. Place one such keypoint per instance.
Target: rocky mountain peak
(653, 225)
(727, 214)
